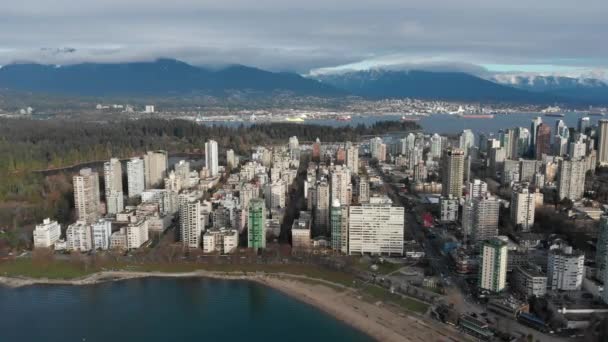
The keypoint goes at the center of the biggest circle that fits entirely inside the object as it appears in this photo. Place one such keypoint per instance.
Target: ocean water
(164, 309)
(450, 124)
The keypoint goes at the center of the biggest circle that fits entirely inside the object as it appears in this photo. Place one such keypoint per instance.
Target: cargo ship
(556, 115)
(344, 118)
(410, 118)
(477, 116)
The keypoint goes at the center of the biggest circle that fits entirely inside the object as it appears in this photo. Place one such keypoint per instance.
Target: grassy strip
(379, 293)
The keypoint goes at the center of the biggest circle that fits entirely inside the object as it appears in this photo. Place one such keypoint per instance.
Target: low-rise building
(530, 281)
(46, 234)
(222, 240)
(78, 237)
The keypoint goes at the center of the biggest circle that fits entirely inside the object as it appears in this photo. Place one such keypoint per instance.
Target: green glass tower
(256, 224)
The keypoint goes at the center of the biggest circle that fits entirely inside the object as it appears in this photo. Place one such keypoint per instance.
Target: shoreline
(376, 320)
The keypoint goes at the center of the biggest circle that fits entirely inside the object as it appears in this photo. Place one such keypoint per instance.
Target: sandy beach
(381, 321)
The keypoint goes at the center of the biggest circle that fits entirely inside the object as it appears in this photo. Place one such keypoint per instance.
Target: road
(450, 279)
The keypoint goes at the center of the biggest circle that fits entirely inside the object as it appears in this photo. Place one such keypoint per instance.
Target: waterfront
(162, 309)
(442, 123)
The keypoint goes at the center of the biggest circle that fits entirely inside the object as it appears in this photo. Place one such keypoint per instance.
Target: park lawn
(50, 270)
(379, 293)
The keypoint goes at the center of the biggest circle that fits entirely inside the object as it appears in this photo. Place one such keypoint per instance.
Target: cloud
(308, 35)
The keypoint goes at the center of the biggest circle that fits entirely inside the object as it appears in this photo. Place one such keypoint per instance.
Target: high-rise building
(363, 190)
(190, 221)
(583, 124)
(493, 265)
(436, 146)
(484, 218)
(274, 195)
(453, 172)
(316, 150)
(322, 196)
(601, 251)
(534, 133)
(78, 237)
(115, 202)
(375, 229)
(112, 175)
(46, 234)
(477, 188)
(377, 149)
(230, 159)
(561, 129)
(571, 182)
(101, 232)
(86, 195)
(466, 141)
(182, 171)
(602, 142)
(528, 168)
(135, 177)
(156, 164)
(340, 185)
(211, 158)
(137, 233)
(565, 269)
(522, 208)
(448, 209)
(352, 159)
(543, 141)
(336, 225)
(256, 224)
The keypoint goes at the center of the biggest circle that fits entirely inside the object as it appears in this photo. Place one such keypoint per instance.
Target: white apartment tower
(46, 234)
(493, 266)
(190, 221)
(86, 195)
(112, 175)
(101, 232)
(352, 159)
(340, 185)
(522, 208)
(477, 188)
(602, 142)
(78, 237)
(565, 269)
(483, 218)
(375, 229)
(135, 177)
(211, 157)
(572, 179)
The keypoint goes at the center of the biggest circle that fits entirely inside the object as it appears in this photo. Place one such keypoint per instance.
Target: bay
(164, 309)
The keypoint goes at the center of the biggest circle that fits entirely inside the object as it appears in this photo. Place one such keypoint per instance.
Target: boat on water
(294, 119)
(556, 115)
(344, 118)
(410, 118)
(477, 116)
(596, 114)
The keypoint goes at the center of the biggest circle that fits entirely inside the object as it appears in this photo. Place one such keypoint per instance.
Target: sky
(314, 36)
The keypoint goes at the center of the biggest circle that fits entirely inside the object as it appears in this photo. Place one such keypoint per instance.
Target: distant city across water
(449, 124)
(162, 309)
